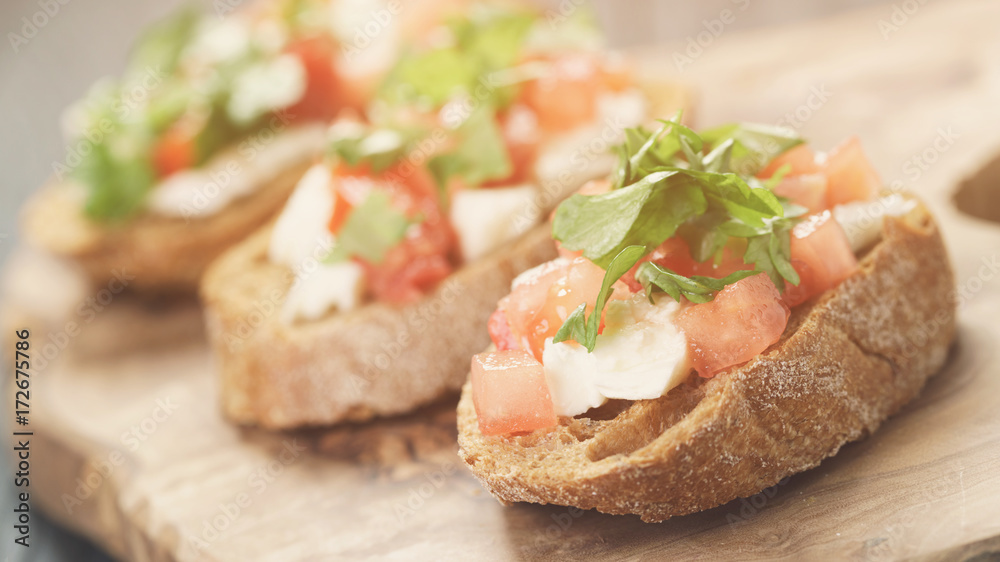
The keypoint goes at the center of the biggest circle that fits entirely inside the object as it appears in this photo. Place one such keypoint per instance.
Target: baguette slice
(376, 360)
(844, 364)
(164, 254)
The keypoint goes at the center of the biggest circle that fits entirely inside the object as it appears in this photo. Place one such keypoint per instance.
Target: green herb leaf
(480, 154)
(578, 326)
(380, 148)
(752, 146)
(371, 230)
(696, 288)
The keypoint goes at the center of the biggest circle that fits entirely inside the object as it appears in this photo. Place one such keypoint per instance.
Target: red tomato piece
(821, 255)
(510, 393)
(741, 322)
(850, 176)
(566, 96)
(424, 257)
(801, 159)
(808, 190)
(174, 151)
(537, 308)
(323, 97)
(499, 331)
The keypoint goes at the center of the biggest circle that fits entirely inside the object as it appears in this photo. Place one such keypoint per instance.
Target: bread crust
(846, 362)
(377, 360)
(164, 254)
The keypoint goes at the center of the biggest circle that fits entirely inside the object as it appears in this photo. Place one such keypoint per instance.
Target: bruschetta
(363, 298)
(202, 139)
(728, 309)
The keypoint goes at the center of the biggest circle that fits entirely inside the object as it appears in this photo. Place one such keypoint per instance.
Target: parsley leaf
(371, 230)
(380, 148)
(480, 154)
(578, 326)
(695, 288)
(673, 181)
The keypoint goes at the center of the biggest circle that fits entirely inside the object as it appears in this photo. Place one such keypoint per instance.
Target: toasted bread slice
(164, 254)
(376, 360)
(380, 359)
(844, 364)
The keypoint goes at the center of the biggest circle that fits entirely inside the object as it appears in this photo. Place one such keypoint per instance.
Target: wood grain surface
(137, 456)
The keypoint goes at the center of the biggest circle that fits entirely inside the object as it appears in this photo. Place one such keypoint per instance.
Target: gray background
(88, 39)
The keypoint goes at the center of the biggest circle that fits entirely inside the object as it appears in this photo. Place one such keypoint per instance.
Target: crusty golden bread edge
(355, 366)
(377, 360)
(845, 363)
(163, 254)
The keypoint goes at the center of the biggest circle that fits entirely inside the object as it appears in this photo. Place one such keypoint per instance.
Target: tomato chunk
(801, 159)
(539, 304)
(499, 331)
(323, 97)
(742, 321)
(566, 96)
(510, 393)
(850, 176)
(808, 190)
(174, 151)
(821, 255)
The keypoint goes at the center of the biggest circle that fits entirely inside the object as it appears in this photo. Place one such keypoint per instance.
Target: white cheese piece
(219, 41)
(569, 159)
(267, 87)
(302, 225)
(329, 287)
(641, 355)
(485, 219)
(300, 240)
(862, 220)
(235, 172)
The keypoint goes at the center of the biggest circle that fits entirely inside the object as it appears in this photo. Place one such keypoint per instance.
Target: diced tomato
(510, 393)
(617, 73)
(808, 190)
(424, 257)
(801, 159)
(741, 322)
(566, 96)
(537, 308)
(821, 255)
(323, 97)
(519, 126)
(499, 331)
(675, 256)
(174, 151)
(850, 176)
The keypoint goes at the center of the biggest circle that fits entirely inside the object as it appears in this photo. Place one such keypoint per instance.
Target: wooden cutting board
(129, 447)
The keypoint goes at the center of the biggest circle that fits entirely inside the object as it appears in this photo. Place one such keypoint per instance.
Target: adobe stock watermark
(899, 16)
(890, 541)
(752, 507)
(130, 97)
(553, 532)
(375, 25)
(418, 318)
(101, 470)
(696, 45)
(228, 512)
(917, 165)
(419, 494)
(221, 177)
(85, 314)
(33, 24)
